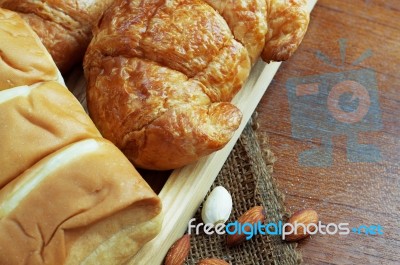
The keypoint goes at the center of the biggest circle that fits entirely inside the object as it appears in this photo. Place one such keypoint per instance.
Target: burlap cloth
(247, 175)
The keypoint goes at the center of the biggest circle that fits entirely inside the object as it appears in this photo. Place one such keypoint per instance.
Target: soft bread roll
(36, 121)
(67, 196)
(23, 58)
(84, 204)
(159, 89)
(63, 26)
(270, 28)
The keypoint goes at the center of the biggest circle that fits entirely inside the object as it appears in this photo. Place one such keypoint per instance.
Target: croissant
(64, 27)
(270, 28)
(161, 73)
(287, 25)
(247, 20)
(67, 196)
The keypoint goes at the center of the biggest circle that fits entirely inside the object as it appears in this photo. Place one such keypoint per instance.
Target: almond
(218, 206)
(305, 217)
(252, 216)
(179, 251)
(212, 262)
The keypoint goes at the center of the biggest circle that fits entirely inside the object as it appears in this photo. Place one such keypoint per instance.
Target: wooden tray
(186, 187)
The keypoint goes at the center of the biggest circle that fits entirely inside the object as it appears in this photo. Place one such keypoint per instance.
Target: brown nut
(303, 218)
(252, 216)
(212, 262)
(179, 251)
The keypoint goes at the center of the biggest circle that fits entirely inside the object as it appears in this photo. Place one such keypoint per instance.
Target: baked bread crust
(160, 75)
(64, 27)
(83, 204)
(18, 68)
(160, 72)
(287, 24)
(45, 114)
(271, 28)
(247, 21)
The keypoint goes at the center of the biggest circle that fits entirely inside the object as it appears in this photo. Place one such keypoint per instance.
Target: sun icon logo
(345, 102)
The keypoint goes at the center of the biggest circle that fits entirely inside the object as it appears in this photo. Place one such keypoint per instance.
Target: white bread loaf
(23, 58)
(45, 115)
(67, 196)
(84, 204)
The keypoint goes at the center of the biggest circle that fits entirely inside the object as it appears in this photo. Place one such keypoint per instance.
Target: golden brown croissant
(64, 27)
(287, 25)
(160, 73)
(160, 76)
(270, 28)
(247, 20)
(67, 196)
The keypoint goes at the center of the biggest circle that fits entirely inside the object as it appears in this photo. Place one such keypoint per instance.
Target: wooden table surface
(332, 114)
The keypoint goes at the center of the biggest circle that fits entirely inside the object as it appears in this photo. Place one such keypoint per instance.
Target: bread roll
(67, 196)
(84, 204)
(35, 121)
(159, 88)
(23, 58)
(63, 26)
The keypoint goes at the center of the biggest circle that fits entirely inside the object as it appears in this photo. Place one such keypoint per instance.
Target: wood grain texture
(351, 171)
